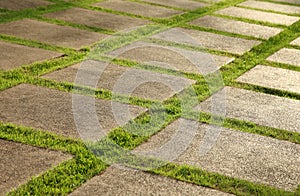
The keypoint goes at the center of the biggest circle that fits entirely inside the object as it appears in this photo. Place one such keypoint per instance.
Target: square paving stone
(272, 77)
(138, 8)
(50, 33)
(124, 181)
(20, 162)
(18, 5)
(207, 40)
(288, 1)
(97, 19)
(13, 55)
(238, 27)
(272, 6)
(172, 58)
(287, 56)
(55, 111)
(296, 42)
(122, 80)
(260, 108)
(184, 4)
(236, 154)
(259, 15)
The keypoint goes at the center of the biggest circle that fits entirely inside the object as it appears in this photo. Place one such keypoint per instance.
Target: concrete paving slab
(272, 6)
(234, 26)
(296, 42)
(237, 154)
(184, 4)
(207, 40)
(125, 181)
(272, 77)
(138, 8)
(97, 19)
(259, 15)
(122, 80)
(13, 55)
(288, 1)
(20, 162)
(55, 111)
(50, 33)
(287, 56)
(24, 4)
(260, 108)
(172, 58)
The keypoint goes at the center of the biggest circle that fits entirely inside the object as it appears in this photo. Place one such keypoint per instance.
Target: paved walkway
(150, 97)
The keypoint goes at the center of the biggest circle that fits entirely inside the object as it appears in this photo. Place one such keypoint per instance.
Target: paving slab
(287, 56)
(138, 8)
(55, 111)
(296, 42)
(237, 154)
(272, 77)
(20, 162)
(122, 80)
(24, 54)
(272, 6)
(258, 15)
(207, 40)
(124, 181)
(184, 4)
(172, 58)
(24, 4)
(50, 33)
(288, 1)
(97, 19)
(260, 108)
(234, 26)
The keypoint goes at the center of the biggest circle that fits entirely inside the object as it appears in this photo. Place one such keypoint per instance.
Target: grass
(116, 147)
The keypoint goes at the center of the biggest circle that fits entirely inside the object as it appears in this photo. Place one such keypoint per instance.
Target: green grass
(71, 174)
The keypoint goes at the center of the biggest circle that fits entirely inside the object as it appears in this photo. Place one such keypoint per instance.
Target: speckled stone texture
(289, 1)
(238, 27)
(24, 4)
(207, 40)
(296, 42)
(287, 56)
(272, 77)
(237, 154)
(20, 162)
(184, 4)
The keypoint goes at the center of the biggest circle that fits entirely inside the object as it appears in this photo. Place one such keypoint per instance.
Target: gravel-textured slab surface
(272, 77)
(20, 162)
(172, 58)
(138, 8)
(55, 111)
(238, 27)
(287, 56)
(50, 33)
(259, 15)
(122, 80)
(24, 4)
(289, 1)
(207, 40)
(243, 155)
(97, 19)
(184, 4)
(272, 6)
(296, 42)
(26, 55)
(123, 181)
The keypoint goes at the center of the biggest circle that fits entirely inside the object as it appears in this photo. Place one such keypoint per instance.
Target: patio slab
(238, 27)
(97, 19)
(260, 108)
(261, 75)
(236, 154)
(184, 4)
(287, 56)
(207, 40)
(125, 181)
(288, 1)
(20, 162)
(26, 55)
(55, 111)
(259, 15)
(51, 33)
(122, 80)
(138, 8)
(296, 42)
(272, 6)
(24, 4)
(172, 57)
